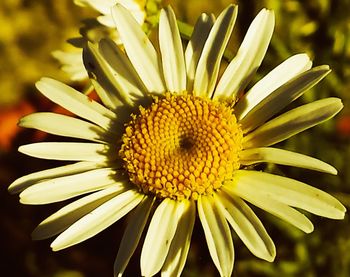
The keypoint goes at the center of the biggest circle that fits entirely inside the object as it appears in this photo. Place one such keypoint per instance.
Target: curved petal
(180, 244)
(280, 75)
(209, 62)
(217, 234)
(290, 192)
(139, 49)
(281, 97)
(26, 181)
(62, 125)
(75, 102)
(280, 156)
(137, 9)
(172, 52)
(293, 122)
(159, 236)
(106, 97)
(119, 62)
(62, 188)
(247, 226)
(101, 79)
(132, 234)
(269, 205)
(69, 151)
(195, 46)
(249, 56)
(63, 218)
(98, 220)
(100, 70)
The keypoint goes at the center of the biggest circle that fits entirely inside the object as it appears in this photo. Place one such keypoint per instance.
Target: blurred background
(31, 30)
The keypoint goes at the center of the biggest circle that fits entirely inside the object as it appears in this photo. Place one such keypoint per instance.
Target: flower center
(182, 147)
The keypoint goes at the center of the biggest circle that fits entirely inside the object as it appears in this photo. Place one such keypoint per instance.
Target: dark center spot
(186, 143)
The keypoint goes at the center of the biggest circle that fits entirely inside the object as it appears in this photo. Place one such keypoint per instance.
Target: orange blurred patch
(343, 125)
(10, 116)
(8, 122)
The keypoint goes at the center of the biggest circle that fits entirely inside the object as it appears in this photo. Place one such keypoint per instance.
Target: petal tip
(308, 229)
(232, 9)
(24, 197)
(332, 170)
(267, 12)
(22, 149)
(341, 211)
(23, 201)
(42, 81)
(12, 188)
(271, 257)
(55, 247)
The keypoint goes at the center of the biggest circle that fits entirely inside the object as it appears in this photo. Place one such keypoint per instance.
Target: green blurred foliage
(30, 30)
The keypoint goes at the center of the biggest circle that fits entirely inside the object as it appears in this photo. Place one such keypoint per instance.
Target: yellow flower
(172, 140)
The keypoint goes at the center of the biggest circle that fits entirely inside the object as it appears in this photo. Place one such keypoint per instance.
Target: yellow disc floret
(182, 147)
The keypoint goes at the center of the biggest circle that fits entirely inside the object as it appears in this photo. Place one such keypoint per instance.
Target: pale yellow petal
(284, 157)
(76, 102)
(112, 83)
(66, 216)
(62, 125)
(195, 46)
(180, 245)
(132, 234)
(209, 62)
(32, 178)
(98, 220)
(290, 192)
(293, 122)
(247, 226)
(62, 188)
(249, 56)
(270, 205)
(256, 114)
(217, 234)
(69, 151)
(159, 236)
(139, 49)
(172, 52)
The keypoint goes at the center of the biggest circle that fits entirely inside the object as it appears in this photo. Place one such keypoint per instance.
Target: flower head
(172, 139)
(71, 60)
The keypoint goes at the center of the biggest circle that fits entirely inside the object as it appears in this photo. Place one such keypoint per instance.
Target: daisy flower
(171, 140)
(71, 60)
